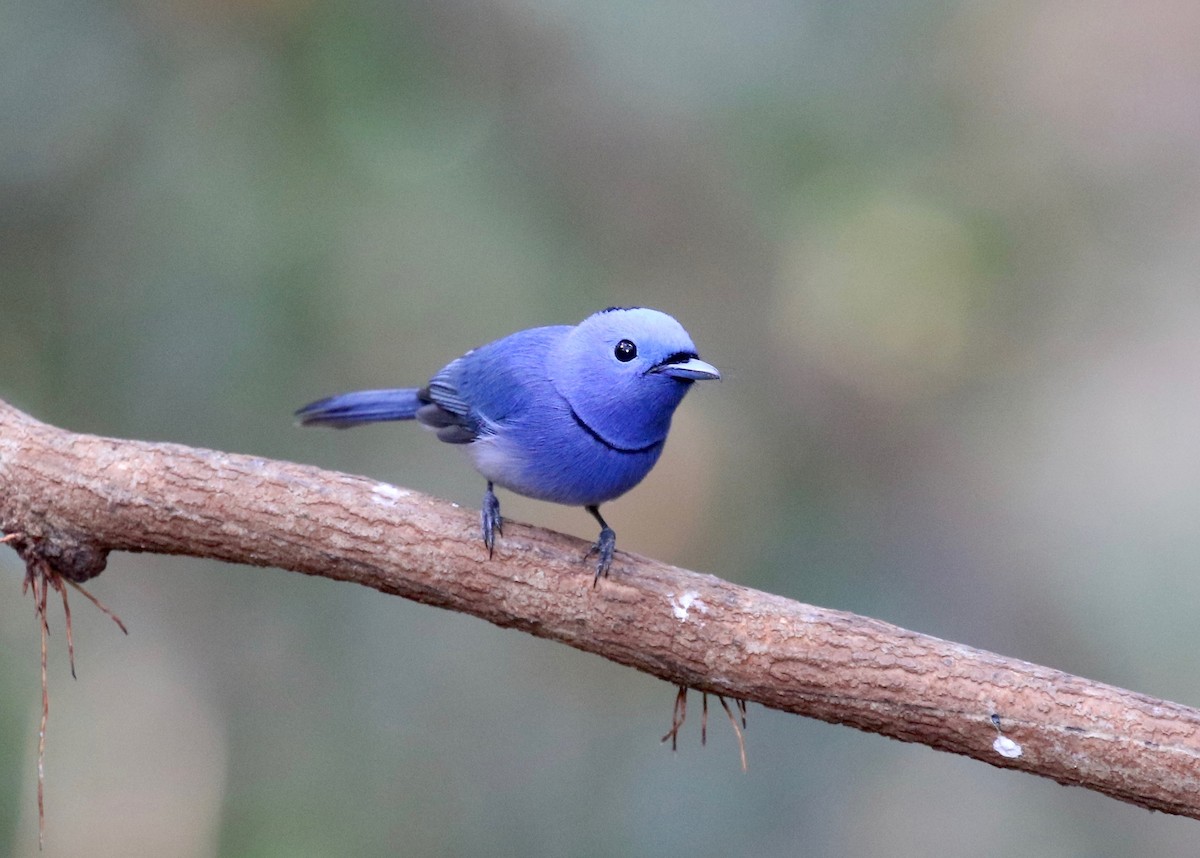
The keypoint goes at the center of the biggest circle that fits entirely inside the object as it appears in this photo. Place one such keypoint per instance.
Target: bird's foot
(489, 515)
(603, 549)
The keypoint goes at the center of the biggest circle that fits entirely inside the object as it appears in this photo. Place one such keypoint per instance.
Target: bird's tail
(361, 406)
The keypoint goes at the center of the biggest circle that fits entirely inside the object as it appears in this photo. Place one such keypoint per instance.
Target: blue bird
(577, 415)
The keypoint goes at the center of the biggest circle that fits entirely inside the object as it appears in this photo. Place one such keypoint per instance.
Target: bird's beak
(687, 368)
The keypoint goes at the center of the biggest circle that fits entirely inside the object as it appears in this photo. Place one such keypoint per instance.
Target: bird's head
(624, 370)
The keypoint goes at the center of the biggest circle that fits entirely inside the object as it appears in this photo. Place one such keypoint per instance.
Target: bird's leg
(489, 514)
(604, 546)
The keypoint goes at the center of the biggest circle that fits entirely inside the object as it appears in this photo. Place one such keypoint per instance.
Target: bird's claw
(603, 549)
(489, 515)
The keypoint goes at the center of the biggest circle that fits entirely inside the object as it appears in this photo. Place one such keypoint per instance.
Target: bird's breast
(563, 463)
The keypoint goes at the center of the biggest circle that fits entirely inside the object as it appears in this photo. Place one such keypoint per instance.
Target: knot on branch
(73, 557)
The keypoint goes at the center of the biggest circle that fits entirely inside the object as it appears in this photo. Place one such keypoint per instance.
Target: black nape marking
(614, 309)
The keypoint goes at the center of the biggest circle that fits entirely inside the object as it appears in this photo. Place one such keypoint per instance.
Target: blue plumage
(576, 415)
(361, 406)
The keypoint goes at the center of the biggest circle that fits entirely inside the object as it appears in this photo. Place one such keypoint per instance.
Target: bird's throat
(616, 448)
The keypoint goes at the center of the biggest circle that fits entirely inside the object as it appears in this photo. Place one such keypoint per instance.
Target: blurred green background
(945, 254)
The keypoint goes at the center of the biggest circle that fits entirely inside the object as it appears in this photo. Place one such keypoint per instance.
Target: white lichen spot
(684, 604)
(1006, 747)
(750, 646)
(387, 495)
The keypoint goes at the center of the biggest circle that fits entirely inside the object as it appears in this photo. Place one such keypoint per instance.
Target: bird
(571, 414)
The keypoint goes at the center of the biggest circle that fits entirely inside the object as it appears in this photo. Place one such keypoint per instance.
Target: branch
(71, 499)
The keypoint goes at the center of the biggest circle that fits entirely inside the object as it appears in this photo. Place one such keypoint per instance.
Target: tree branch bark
(70, 499)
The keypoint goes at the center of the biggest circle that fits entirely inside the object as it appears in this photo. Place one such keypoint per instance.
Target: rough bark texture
(73, 498)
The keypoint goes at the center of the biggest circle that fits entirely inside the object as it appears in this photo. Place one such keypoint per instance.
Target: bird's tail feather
(361, 406)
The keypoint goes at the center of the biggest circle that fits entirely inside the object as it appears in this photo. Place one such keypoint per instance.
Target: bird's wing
(477, 394)
(446, 410)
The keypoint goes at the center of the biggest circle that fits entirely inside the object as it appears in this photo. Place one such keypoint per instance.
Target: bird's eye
(625, 351)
